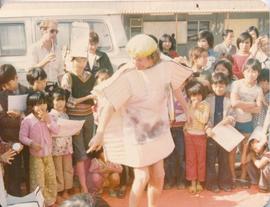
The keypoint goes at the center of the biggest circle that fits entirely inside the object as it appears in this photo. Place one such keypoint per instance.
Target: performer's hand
(96, 142)
(8, 156)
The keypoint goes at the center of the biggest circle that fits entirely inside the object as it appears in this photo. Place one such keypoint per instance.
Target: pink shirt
(34, 130)
(238, 64)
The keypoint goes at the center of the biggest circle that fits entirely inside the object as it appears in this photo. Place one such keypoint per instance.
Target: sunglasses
(53, 31)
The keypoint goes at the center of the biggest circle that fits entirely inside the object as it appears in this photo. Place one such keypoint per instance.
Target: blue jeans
(174, 164)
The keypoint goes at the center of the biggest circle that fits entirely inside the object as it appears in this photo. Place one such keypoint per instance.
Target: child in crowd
(166, 46)
(80, 83)
(36, 132)
(37, 78)
(102, 174)
(246, 98)
(206, 41)
(244, 43)
(259, 167)
(263, 81)
(62, 148)
(195, 138)
(224, 66)
(10, 125)
(198, 60)
(220, 113)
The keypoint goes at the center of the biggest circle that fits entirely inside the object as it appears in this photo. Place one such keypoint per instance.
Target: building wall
(216, 24)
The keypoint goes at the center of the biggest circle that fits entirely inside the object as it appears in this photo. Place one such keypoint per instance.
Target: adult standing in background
(97, 59)
(134, 129)
(45, 53)
(226, 47)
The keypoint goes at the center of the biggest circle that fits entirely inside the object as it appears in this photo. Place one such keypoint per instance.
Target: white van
(19, 30)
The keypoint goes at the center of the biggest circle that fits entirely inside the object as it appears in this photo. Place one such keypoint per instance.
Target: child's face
(203, 43)
(39, 85)
(265, 86)
(244, 46)
(79, 62)
(12, 85)
(40, 109)
(102, 77)
(222, 69)
(202, 60)
(196, 98)
(219, 89)
(250, 75)
(256, 146)
(166, 45)
(59, 105)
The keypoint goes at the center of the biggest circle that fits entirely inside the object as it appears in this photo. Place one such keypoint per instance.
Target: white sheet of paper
(227, 136)
(17, 103)
(68, 128)
(34, 199)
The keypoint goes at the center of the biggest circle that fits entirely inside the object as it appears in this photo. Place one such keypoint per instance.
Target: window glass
(12, 39)
(194, 27)
(105, 42)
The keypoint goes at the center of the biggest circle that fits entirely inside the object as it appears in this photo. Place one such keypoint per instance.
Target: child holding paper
(246, 98)
(62, 148)
(10, 124)
(36, 132)
(220, 113)
(195, 138)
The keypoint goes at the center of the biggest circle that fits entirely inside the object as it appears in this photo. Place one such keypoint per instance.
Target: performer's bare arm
(97, 141)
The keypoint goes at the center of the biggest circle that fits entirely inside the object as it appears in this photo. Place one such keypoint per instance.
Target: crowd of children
(228, 88)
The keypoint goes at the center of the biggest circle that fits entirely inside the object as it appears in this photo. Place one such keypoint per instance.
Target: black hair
(60, 94)
(35, 74)
(264, 75)
(243, 37)
(36, 98)
(164, 38)
(226, 32)
(255, 29)
(7, 73)
(219, 78)
(194, 87)
(254, 64)
(85, 200)
(208, 36)
(227, 64)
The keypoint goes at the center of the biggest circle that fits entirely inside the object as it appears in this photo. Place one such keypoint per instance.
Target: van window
(63, 37)
(105, 42)
(12, 39)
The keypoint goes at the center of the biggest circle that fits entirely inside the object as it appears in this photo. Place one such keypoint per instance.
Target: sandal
(192, 189)
(199, 188)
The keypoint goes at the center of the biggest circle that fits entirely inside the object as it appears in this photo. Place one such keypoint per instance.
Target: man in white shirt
(226, 47)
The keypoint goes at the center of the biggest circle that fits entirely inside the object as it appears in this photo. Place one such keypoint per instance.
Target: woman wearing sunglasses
(45, 53)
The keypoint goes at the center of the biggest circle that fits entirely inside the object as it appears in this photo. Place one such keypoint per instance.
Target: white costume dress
(138, 133)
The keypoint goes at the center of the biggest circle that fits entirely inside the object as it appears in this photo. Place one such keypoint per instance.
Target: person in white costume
(134, 126)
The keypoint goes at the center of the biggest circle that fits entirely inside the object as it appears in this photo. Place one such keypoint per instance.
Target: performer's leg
(155, 184)
(141, 177)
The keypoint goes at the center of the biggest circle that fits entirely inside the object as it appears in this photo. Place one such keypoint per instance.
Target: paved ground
(181, 198)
